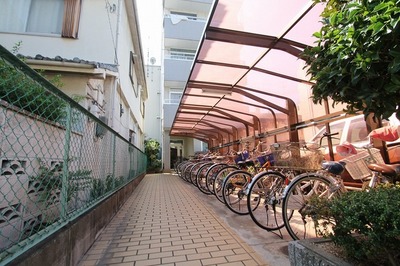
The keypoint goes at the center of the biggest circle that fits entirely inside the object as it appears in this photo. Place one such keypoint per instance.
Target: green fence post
(114, 159)
(65, 177)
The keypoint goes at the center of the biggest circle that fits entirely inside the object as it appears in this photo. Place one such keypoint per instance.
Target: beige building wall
(112, 75)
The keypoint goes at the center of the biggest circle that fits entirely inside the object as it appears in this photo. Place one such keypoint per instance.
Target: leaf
(376, 27)
(381, 6)
(395, 79)
(317, 34)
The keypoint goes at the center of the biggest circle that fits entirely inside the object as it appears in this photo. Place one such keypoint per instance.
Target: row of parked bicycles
(278, 188)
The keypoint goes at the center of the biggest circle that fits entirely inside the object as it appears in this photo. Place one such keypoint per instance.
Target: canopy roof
(248, 77)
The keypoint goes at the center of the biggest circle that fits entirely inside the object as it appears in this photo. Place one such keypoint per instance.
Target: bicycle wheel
(201, 178)
(267, 188)
(234, 191)
(181, 168)
(194, 171)
(210, 175)
(219, 180)
(302, 197)
(186, 172)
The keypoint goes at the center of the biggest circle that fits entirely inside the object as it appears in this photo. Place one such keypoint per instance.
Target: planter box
(309, 253)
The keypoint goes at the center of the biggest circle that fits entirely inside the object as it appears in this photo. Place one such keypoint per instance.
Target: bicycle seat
(249, 162)
(333, 167)
(241, 163)
(391, 170)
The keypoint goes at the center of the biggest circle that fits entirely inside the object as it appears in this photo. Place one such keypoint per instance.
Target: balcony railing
(183, 28)
(57, 160)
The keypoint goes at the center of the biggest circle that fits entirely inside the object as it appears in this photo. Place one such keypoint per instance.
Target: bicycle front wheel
(234, 191)
(211, 174)
(302, 202)
(201, 178)
(219, 180)
(267, 188)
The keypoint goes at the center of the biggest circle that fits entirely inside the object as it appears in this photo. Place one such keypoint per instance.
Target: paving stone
(166, 222)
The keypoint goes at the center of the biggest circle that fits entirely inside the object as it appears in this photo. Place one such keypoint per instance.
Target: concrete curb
(307, 253)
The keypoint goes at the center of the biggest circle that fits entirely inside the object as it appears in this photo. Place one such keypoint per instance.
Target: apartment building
(184, 23)
(94, 47)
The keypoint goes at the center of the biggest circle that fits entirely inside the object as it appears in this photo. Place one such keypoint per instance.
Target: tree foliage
(152, 150)
(356, 59)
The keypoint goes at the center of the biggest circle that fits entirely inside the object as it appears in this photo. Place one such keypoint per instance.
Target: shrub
(20, 90)
(152, 150)
(367, 224)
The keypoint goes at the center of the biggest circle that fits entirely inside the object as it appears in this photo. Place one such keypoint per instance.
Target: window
(175, 95)
(357, 131)
(41, 16)
(132, 74)
(142, 107)
(182, 54)
(132, 136)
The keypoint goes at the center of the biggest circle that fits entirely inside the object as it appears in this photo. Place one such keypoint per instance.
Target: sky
(150, 14)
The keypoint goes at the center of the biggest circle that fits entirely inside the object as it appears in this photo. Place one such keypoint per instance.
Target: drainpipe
(117, 32)
(114, 83)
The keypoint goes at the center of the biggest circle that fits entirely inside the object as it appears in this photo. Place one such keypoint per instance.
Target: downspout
(115, 80)
(117, 33)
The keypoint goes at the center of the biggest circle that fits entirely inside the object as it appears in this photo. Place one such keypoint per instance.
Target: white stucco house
(94, 46)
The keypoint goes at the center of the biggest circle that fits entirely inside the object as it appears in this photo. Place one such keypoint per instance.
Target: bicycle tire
(193, 172)
(268, 187)
(181, 168)
(301, 198)
(210, 175)
(219, 180)
(201, 178)
(186, 172)
(234, 191)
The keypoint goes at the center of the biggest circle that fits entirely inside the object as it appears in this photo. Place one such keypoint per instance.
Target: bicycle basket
(357, 165)
(241, 157)
(293, 155)
(266, 158)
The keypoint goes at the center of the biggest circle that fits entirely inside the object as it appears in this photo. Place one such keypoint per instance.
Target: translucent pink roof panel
(248, 75)
(216, 73)
(266, 17)
(229, 53)
(278, 61)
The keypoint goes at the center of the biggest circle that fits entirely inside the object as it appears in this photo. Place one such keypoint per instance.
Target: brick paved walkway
(166, 221)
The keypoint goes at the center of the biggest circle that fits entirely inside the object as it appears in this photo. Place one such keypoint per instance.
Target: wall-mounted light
(121, 110)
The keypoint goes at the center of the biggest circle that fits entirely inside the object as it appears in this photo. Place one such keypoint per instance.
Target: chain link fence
(57, 160)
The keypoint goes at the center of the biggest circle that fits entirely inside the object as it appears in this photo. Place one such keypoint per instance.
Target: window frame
(132, 73)
(176, 92)
(67, 23)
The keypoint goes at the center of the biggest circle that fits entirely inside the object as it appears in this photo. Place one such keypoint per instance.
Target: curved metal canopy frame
(248, 73)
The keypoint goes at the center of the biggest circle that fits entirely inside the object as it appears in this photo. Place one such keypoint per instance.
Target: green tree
(152, 150)
(356, 59)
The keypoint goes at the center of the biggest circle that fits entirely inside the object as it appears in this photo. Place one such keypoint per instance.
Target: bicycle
(235, 186)
(303, 196)
(268, 186)
(201, 177)
(221, 163)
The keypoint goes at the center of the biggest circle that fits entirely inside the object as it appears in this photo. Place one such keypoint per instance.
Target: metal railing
(57, 160)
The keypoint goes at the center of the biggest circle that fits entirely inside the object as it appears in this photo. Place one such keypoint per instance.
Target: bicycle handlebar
(328, 135)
